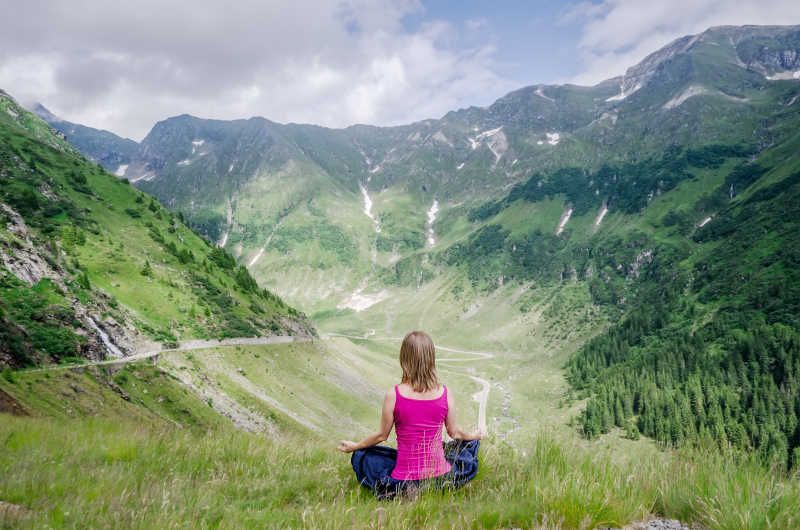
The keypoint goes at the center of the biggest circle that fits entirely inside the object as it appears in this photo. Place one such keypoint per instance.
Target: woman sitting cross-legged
(417, 408)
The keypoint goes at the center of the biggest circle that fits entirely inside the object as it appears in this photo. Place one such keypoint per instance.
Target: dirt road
(194, 344)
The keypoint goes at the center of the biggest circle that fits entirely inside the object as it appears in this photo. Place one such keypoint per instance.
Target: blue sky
(123, 66)
(534, 45)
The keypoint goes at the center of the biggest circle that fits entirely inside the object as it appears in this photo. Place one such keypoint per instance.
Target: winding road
(194, 344)
(481, 397)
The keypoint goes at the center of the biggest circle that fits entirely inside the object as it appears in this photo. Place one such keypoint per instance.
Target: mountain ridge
(545, 222)
(84, 256)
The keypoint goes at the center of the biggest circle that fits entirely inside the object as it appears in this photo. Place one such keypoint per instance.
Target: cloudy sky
(122, 66)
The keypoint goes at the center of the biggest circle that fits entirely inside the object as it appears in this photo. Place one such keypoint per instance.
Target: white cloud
(123, 66)
(617, 34)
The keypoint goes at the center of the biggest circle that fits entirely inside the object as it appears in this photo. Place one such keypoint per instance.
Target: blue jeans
(374, 465)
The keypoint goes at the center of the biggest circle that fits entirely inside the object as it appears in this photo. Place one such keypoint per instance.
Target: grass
(101, 232)
(92, 473)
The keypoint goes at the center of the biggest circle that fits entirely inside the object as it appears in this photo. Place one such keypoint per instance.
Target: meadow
(92, 473)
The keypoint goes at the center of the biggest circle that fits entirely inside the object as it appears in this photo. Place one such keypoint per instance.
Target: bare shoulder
(449, 391)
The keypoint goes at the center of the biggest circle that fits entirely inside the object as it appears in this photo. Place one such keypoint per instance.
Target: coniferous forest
(711, 350)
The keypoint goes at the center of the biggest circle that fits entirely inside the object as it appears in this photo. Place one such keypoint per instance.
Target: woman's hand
(346, 446)
(479, 434)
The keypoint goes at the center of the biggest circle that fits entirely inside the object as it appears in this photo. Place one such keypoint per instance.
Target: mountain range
(642, 231)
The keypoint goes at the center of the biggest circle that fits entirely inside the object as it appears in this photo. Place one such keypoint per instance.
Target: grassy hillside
(715, 353)
(136, 446)
(82, 250)
(86, 473)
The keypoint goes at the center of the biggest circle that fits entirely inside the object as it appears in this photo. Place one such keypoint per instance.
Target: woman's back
(418, 424)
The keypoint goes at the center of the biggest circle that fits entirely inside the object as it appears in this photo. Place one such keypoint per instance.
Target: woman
(417, 408)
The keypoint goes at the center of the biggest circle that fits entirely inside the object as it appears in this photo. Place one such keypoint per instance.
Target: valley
(610, 274)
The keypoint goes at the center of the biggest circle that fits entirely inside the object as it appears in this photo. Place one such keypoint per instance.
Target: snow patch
(784, 75)
(257, 256)
(488, 134)
(623, 93)
(553, 138)
(196, 144)
(185, 162)
(368, 207)
(146, 176)
(792, 100)
(542, 95)
(600, 216)
(539, 142)
(262, 249)
(431, 219)
(230, 168)
(121, 170)
(691, 91)
(704, 222)
(375, 169)
(495, 139)
(563, 222)
(359, 301)
(228, 223)
(462, 163)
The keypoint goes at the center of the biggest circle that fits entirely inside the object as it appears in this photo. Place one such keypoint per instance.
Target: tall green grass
(93, 473)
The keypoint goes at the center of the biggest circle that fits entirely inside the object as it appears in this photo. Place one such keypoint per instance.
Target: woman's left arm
(387, 422)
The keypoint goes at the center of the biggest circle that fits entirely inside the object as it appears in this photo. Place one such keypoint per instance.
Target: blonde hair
(418, 361)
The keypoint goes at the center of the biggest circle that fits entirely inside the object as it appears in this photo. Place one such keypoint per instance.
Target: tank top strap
(396, 391)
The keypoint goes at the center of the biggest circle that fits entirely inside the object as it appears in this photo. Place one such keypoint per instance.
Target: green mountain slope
(564, 213)
(106, 148)
(91, 266)
(711, 345)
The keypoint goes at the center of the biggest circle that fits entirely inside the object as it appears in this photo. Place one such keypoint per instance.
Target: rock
(656, 524)
(11, 406)
(10, 512)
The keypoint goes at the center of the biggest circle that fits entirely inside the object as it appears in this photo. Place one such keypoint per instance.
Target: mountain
(91, 267)
(613, 262)
(245, 182)
(109, 150)
(640, 230)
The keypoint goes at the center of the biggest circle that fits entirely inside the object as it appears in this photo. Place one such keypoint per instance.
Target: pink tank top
(418, 424)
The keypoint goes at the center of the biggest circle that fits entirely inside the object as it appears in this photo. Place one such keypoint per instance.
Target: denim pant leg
(463, 457)
(373, 467)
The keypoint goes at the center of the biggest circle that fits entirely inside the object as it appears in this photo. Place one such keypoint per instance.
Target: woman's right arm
(382, 434)
(454, 430)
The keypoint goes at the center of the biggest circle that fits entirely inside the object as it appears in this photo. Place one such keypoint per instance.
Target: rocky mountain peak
(45, 114)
